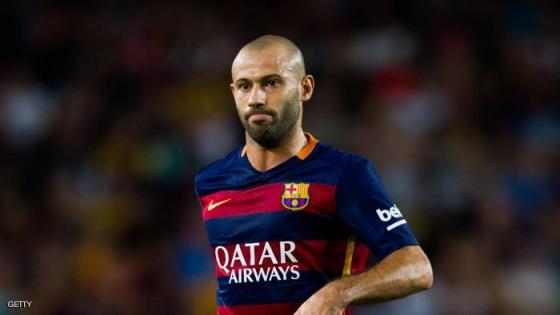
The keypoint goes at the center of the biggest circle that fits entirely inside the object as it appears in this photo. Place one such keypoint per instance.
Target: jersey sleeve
(364, 205)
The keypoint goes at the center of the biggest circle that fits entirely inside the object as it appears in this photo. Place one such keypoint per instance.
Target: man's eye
(243, 86)
(272, 82)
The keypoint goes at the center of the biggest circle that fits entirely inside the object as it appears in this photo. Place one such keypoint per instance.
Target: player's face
(266, 90)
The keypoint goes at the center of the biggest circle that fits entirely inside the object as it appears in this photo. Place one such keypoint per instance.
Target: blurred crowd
(108, 109)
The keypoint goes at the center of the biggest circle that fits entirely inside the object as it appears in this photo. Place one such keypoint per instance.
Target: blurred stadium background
(108, 108)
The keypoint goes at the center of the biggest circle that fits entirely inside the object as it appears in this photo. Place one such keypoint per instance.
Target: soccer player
(291, 220)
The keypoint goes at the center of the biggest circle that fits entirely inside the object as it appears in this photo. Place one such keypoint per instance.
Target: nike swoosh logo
(213, 205)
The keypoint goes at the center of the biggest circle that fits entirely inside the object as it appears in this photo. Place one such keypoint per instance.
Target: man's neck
(264, 159)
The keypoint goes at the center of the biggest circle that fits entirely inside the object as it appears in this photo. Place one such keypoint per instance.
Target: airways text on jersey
(257, 262)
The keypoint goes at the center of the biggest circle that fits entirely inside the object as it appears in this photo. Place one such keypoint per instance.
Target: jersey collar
(303, 153)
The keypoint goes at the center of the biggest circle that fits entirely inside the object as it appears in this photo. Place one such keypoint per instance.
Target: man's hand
(326, 301)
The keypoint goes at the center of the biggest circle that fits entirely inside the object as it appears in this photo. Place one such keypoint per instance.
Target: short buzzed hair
(265, 41)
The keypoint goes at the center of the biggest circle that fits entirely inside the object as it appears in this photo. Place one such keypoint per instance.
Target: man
(291, 220)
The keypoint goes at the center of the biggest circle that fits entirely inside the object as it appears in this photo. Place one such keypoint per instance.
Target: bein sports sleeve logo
(393, 213)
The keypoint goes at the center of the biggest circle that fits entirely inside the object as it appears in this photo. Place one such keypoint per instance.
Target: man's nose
(257, 97)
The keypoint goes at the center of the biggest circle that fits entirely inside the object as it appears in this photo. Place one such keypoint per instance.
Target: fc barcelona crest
(295, 196)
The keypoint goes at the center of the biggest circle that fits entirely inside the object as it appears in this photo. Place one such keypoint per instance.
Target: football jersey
(279, 236)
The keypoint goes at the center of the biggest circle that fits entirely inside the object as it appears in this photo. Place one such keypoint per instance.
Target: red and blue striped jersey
(279, 236)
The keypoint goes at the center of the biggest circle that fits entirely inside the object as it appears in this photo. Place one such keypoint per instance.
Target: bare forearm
(404, 272)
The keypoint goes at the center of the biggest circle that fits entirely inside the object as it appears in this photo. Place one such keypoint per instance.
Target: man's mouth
(259, 118)
(260, 115)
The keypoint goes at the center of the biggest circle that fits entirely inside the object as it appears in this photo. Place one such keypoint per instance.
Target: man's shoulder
(342, 160)
(219, 166)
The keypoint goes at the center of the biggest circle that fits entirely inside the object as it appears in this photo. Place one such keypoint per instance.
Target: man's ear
(307, 87)
(232, 88)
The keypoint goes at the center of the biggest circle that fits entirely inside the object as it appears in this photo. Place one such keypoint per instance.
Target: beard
(271, 134)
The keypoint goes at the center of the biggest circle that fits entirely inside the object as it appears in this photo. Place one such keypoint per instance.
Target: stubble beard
(271, 135)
